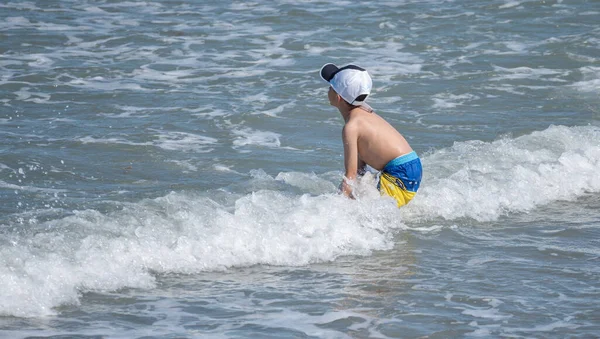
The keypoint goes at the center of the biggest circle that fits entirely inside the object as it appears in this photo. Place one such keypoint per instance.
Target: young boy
(369, 139)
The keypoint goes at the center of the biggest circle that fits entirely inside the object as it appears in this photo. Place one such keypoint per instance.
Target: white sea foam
(510, 4)
(307, 182)
(273, 112)
(16, 188)
(224, 168)
(146, 73)
(101, 84)
(24, 95)
(186, 165)
(181, 141)
(172, 141)
(45, 26)
(528, 73)
(15, 22)
(590, 82)
(94, 9)
(128, 112)
(486, 180)
(247, 136)
(185, 234)
(208, 112)
(446, 100)
(92, 140)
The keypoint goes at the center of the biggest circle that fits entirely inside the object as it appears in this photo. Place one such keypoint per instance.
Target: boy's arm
(350, 139)
(362, 167)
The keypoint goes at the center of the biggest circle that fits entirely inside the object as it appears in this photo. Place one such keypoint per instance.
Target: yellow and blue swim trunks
(401, 177)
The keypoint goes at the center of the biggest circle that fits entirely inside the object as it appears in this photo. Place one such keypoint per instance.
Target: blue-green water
(170, 169)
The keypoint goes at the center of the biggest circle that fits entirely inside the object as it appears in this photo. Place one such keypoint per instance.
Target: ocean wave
(300, 221)
(486, 180)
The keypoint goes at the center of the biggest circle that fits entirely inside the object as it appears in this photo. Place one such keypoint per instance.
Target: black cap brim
(328, 71)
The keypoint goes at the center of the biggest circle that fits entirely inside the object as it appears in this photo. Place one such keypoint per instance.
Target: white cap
(351, 82)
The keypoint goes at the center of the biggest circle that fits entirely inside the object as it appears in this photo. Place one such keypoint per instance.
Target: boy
(369, 139)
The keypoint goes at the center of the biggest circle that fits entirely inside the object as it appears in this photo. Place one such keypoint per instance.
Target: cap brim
(328, 71)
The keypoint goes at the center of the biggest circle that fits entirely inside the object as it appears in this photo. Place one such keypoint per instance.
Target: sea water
(169, 169)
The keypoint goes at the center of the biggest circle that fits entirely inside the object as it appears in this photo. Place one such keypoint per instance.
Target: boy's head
(351, 82)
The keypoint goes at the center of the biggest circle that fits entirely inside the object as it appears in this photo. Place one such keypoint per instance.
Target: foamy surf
(182, 233)
(303, 222)
(484, 181)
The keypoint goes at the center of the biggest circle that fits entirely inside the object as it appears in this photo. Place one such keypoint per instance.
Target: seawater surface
(169, 169)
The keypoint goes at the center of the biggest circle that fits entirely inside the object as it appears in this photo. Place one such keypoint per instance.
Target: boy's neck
(345, 111)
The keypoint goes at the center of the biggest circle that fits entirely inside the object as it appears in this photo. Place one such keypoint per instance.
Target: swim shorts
(401, 177)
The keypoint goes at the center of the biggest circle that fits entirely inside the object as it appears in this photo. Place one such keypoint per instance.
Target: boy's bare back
(377, 141)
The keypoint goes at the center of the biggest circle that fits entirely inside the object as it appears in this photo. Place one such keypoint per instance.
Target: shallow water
(170, 169)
